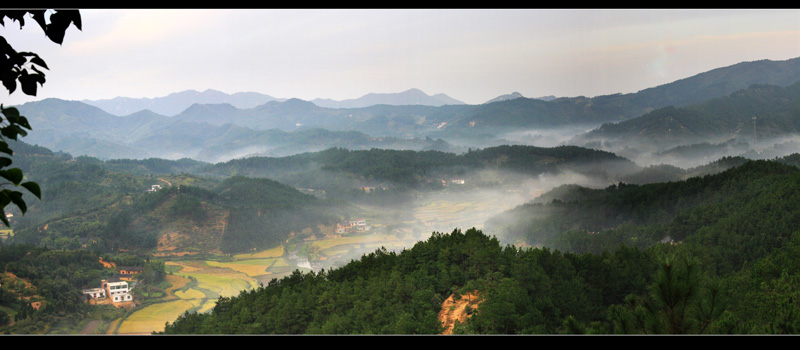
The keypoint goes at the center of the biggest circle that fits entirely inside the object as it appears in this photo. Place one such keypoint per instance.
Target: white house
(95, 293)
(118, 290)
(359, 225)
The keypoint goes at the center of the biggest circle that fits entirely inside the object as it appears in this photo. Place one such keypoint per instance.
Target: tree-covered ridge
(753, 203)
(755, 113)
(527, 291)
(415, 168)
(110, 205)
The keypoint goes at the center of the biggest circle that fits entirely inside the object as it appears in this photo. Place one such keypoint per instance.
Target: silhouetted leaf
(14, 175)
(33, 188)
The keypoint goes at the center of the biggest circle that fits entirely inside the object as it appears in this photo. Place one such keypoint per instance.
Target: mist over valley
(248, 213)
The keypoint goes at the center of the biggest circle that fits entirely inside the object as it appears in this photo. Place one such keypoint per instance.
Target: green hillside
(107, 206)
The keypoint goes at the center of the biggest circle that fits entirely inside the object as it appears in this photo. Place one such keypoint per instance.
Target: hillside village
(357, 225)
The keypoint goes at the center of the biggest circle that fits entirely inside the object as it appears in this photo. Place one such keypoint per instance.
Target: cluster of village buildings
(116, 289)
(357, 225)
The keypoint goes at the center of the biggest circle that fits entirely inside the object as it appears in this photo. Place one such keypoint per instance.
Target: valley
(285, 216)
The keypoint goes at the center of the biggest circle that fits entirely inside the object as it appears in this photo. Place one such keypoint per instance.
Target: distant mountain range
(506, 97)
(209, 133)
(405, 98)
(226, 128)
(175, 103)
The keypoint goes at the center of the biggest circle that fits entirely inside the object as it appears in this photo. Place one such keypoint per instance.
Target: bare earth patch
(456, 310)
(107, 264)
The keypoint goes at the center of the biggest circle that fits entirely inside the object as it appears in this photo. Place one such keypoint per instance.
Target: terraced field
(196, 287)
(151, 318)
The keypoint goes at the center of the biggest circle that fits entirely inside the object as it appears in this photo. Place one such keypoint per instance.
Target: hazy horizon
(470, 55)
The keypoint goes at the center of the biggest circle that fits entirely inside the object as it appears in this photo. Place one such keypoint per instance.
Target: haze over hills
(287, 175)
(505, 97)
(760, 116)
(534, 113)
(221, 131)
(175, 103)
(80, 129)
(408, 97)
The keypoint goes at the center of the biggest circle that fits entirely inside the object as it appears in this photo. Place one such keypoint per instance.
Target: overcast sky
(470, 55)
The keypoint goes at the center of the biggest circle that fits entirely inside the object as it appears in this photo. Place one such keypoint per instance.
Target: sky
(472, 55)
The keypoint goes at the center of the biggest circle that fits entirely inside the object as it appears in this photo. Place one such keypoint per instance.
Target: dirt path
(453, 310)
(90, 327)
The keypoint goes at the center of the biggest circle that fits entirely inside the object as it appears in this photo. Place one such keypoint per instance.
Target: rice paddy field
(152, 318)
(196, 286)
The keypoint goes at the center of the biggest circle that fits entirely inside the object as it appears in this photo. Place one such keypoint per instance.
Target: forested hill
(730, 265)
(384, 292)
(415, 168)
(108, 206)
(758, 113)
(740, 214)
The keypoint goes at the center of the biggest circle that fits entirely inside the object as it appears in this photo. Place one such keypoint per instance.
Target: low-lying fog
(472, 206)
(550, 137)
(692, 155)
(483, 195)
(686, 154)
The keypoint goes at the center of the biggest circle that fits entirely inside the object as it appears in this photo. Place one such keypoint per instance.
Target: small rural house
(126, 273)
(95, 293)
(358, 225)
(117, 289)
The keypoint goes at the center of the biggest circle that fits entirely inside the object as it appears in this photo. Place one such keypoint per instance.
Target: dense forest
(526, 291)
(416, 170)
